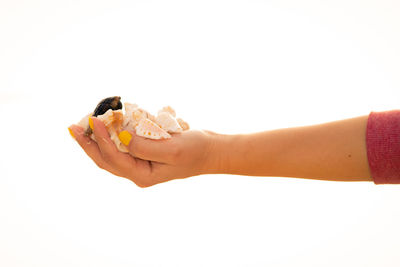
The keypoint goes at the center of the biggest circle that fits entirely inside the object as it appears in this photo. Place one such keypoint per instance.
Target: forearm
(330, 151)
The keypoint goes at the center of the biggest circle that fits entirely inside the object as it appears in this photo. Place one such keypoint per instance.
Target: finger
(162, 151)
(109, 151)
(91, 148)
(138, 171)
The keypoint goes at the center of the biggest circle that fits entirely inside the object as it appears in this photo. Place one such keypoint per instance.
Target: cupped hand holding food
(150, 162)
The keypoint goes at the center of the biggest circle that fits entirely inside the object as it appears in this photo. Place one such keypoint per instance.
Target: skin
(334, 151)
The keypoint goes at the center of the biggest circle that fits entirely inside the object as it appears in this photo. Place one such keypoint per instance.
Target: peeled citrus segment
(149, 129)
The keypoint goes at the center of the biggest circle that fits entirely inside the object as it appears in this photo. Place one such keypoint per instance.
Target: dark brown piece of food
(113, 103)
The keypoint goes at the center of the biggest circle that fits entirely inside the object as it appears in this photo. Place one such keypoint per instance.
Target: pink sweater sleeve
(383, 146)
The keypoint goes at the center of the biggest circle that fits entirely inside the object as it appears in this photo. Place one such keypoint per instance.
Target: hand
(150, 162)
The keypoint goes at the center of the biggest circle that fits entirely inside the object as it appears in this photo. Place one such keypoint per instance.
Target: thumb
(161, 150)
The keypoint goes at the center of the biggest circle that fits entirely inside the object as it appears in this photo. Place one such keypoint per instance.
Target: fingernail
(71, 133)
(90, 123)
(125, 137)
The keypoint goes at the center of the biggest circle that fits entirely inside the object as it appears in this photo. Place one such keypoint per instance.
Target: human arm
(332, 151)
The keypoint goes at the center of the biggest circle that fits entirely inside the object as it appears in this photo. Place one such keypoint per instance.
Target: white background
(226, 66)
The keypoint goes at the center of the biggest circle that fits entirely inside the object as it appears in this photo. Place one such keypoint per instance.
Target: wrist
(220, 153)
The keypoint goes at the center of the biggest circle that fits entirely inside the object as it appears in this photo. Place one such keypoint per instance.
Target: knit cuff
(383, 146)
